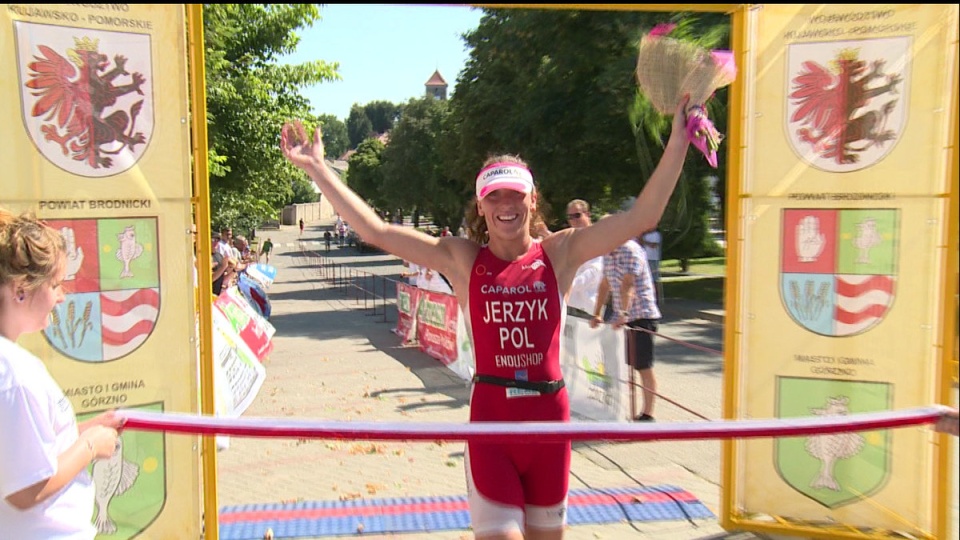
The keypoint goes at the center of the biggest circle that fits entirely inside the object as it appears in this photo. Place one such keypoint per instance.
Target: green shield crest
(833, 469)
(130, 485)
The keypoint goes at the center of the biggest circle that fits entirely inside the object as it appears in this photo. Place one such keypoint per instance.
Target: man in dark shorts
(626, 274)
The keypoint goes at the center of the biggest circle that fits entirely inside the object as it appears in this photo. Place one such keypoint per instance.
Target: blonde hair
(579, 203)
(30, 251)
(477, 225)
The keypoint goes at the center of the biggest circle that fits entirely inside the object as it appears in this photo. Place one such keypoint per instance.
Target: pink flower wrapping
(703, 134)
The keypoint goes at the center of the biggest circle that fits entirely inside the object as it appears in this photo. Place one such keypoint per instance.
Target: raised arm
(605, 235)
(442, 254)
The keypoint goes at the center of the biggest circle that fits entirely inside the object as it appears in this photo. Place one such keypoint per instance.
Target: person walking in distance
(45, 489)
(266, 249)
(627, 275)
(301, 227)
(515, 490)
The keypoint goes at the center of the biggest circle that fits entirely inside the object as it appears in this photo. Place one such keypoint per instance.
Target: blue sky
(386, 52)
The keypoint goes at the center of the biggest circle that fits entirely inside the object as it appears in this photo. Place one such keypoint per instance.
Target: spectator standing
(583, 290)
(627, 275)
(327, 238)
(652, 242)
(341, 231)
(45, 489)
(225, 245)
(410, 272)
(301, 227)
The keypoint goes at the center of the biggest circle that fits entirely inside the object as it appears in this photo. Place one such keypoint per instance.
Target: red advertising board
(408, 297)
(437, 325)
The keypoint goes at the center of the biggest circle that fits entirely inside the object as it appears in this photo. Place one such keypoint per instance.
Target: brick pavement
(334, 361)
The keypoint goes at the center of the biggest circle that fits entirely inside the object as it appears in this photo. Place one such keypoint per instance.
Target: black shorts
(640, 343)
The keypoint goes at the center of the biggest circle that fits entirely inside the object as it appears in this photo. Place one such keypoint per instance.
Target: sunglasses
(575, 215)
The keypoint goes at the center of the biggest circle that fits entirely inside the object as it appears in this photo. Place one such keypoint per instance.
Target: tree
(413, 164)
(249, 96)
(366, 175)
(335, 139)
(302, 191)
(382, 114)
(567, 79)
(359, 126)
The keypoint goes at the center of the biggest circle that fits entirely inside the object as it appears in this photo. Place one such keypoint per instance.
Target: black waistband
(544, 387)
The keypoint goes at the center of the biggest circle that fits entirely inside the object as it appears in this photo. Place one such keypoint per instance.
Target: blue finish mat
(418, 514)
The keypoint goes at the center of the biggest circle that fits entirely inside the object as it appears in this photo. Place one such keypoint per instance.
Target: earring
(21, 297)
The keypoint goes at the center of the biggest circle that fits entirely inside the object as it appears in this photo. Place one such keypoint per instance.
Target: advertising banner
(595, 371)
(246, 322)
(238, 373)
(437, 325)
(97, 143)
(408, 298)
(841, 206)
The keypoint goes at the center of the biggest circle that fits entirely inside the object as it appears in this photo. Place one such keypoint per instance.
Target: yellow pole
(948, 306)
(731, 290)
(201, 183)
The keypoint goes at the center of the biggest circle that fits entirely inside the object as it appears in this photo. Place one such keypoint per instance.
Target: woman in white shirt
(45, 489)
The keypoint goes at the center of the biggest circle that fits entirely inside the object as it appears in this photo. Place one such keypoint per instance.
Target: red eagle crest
(79, 102)
(830, 107)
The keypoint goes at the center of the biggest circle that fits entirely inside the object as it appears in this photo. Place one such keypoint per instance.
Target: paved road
(334, 359)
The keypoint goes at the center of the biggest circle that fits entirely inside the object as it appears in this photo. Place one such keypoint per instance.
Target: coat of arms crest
(838, 268)
(847, 101)
(840, 468)
(87, 108)
(112, 285)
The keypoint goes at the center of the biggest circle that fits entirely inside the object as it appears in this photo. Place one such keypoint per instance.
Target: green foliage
(249, 96)
(382, 114)
(684, 223)
(302, 192)
(704, 289)
(413, 164)
(335, 139)
(553, 86)
(366, 174)
(359, 126)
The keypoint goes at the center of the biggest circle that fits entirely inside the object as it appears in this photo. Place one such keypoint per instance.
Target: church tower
(436, 86)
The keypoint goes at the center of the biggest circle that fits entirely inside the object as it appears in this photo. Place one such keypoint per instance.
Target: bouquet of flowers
(668, 69)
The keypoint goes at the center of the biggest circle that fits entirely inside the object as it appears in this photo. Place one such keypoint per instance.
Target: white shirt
(583, 290)
(414, 279)
(224, 249)
(653, 253)
(39, 419)
(433, 283)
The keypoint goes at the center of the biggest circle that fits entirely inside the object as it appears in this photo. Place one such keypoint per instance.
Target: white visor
(504, 175)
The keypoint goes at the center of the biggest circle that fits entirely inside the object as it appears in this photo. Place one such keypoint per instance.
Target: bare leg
(544, 534)
(649, 383)
(512, 535)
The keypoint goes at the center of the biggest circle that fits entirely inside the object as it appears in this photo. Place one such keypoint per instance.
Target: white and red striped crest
(838, 267)
(112, 285)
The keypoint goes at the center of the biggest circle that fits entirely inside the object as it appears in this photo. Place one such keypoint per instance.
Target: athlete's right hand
(300, 152)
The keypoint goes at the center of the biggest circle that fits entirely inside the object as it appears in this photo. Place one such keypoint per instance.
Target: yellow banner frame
(201, 201)
(732, 518)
